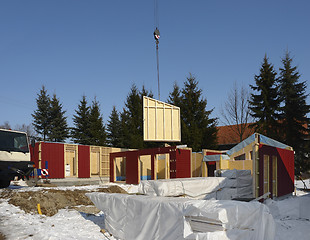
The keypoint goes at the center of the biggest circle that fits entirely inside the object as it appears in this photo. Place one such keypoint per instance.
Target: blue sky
(100, 48)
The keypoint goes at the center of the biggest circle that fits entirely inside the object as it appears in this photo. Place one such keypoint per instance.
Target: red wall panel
(212, 153)
(183, 163)
(84, 161)
(111, 159)
(285, 172)
(285, 169)
(132, 166)
(173, 164)
(34, 154)
(54, 154)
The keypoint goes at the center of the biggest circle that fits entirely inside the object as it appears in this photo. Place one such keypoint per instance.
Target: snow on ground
(291, 216)
(16, 224)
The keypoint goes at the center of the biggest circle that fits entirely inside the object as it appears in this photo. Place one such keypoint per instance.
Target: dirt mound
(1, 236)
(51, 200)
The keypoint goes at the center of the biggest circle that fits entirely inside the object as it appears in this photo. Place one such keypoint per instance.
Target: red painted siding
(285, 169)
(173, 164)
(285, 172)
(34, 154)
(212, 153)
(183, 163)
(112, 167)
(54, 154)
(132, 162)
(83, 161)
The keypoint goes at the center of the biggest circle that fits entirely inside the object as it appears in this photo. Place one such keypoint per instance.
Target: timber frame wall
(72, 160)
(179, 163)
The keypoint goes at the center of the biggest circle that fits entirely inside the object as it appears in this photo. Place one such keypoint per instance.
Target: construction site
(179, 194)
(62, 189)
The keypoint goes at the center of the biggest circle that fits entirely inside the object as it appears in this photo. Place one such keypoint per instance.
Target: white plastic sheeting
(238, 184)
(232, 193)
(242, 181)
(216, 157)
(190, 187)
(251, 139)
(136, 217)
(235, 173)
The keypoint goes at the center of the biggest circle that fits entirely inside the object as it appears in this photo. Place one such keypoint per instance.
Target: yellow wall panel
(145, 166)
(196, 164)
(241, 165)
(224, 164)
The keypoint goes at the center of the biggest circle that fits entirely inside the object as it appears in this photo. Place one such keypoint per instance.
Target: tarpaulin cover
(263, 139)
(235, 173)
(241, 181)
(238, 184)
(136, 217)
(217, 157)
(191, 187)
(241, 145)
(272, 143)
(231, 193)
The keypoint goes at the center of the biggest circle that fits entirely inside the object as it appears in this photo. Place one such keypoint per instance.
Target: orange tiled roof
(227, 135)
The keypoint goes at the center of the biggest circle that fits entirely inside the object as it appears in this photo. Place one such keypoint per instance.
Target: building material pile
(190, 187)
(237, 185)
(134, 217)
(232, 184)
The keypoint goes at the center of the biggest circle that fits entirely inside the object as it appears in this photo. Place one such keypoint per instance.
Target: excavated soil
(51, 200)
(1, 236)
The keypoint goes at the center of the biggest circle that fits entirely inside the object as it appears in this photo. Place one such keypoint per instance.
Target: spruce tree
(265, 105)
(81, 132)
(132, 120)
(58, 122)
(294, 111)
(97, 129)
(41, 116)
(124, 131)
(174, 97)
(198, 128)
(114, 129)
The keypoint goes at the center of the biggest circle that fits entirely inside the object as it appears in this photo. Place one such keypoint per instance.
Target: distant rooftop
(227, 135)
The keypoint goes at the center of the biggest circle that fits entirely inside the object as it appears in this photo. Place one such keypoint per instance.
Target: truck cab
(14, 157)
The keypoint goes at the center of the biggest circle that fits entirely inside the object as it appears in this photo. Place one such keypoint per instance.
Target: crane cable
(157, 36)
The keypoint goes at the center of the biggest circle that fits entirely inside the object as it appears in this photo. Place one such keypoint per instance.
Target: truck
(15, 161)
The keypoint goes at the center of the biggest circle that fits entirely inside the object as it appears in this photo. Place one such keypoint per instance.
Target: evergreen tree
(175, 96)
(97, 129)
(145, 92)
(114, 129)
(132, 120)
(58, 122)
(41, 116)
(265, 105)
(294, 120)
(124, 131)
(198, 129)
(81, 132)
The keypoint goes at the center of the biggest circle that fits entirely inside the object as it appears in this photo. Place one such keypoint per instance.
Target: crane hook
(156, 35)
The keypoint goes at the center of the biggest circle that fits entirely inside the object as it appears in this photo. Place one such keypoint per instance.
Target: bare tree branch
(236, 112)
